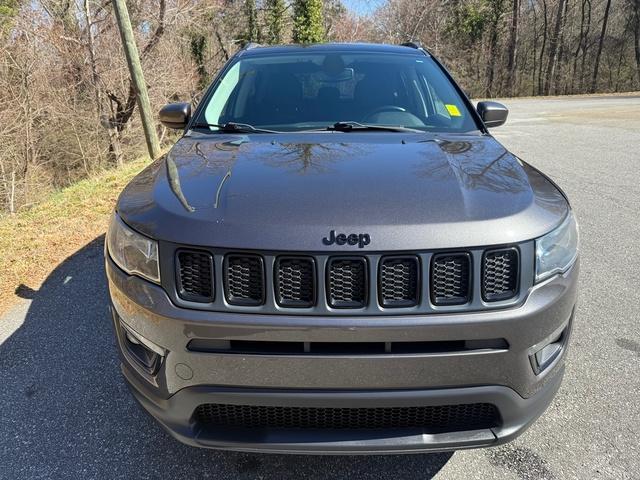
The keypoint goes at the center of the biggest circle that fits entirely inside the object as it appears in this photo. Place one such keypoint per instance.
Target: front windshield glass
(313, 90)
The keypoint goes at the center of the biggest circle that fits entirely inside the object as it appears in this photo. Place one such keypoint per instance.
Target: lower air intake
(431, 419)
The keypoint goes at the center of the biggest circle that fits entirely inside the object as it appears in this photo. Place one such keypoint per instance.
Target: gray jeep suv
(337, 257)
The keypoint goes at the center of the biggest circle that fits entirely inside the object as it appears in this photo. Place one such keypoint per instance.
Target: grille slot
(430, 419)
(295, 282)
(268, 347)
(450, 278)
(244, 280)
(500, 274)
(398, 285)
(347, 282)
(195, 275)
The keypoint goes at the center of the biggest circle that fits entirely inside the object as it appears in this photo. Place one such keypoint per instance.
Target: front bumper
(175, 415)
(186, 379)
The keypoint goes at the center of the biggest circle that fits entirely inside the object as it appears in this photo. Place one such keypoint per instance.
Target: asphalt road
(65, 411)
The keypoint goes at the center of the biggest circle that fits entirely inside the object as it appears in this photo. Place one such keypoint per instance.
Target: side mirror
(493, 114)
(175, 115)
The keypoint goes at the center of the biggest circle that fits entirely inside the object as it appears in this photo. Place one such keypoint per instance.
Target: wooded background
(67, 104)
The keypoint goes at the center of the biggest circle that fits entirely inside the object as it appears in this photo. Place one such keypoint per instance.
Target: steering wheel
(385, 108)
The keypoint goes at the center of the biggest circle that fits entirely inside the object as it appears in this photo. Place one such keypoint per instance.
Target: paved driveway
(66, 413)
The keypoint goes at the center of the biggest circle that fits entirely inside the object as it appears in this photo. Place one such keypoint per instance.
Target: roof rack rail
(412, 44)
(251, 45)
(417, 46)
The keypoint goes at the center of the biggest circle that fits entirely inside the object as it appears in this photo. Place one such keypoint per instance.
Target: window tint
(312, 90)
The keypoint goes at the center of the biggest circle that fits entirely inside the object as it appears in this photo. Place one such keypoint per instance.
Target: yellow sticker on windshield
(453, 110)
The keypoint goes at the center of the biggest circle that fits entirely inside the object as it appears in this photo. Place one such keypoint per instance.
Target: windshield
(303, 91)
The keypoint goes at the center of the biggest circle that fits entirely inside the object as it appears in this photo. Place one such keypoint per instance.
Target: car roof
(255, 49)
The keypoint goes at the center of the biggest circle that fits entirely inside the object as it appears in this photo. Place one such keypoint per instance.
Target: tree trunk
(115, 150)
(251, 13)
(223, 49)
(620, 62)
(605, 20)
(535, 50)
(513, 48)
(12, 195)
(635, 5)
(561, 53)
(491, 65)
(544, 44)
(585, 47)
(275, 12)
(576, 53)
(637, 50)
(495, 17)
(553, 47)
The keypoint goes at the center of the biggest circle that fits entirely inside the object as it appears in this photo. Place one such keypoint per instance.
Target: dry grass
(34, 242)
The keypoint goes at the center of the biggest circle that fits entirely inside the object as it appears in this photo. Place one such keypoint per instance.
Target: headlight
(557, 250)
(132, 252)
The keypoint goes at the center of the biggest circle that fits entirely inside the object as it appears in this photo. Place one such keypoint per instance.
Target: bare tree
(554, 40)
(67, 105)
(605, 20)
(585, 26)
(634, 6)
(513, 47)
(112, 133)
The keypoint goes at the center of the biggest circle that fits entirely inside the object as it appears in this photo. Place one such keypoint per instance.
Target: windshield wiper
(350, 126)
(233, 127)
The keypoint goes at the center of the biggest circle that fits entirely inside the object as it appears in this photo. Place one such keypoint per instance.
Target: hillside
(33, 242)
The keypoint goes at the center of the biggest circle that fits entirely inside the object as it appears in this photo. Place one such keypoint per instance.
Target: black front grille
(347, 282)
(295, 280)
(244, 280)
(500, 274)
(195, 275)
(430, 419)
(399, 281)
(450, 279)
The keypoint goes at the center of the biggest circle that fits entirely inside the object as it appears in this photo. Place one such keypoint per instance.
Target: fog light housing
(542, 358)
(145, 353)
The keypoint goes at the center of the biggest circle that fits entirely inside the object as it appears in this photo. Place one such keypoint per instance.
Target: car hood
(288, 191)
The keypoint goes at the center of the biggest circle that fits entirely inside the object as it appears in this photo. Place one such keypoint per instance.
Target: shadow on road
(66, 411)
